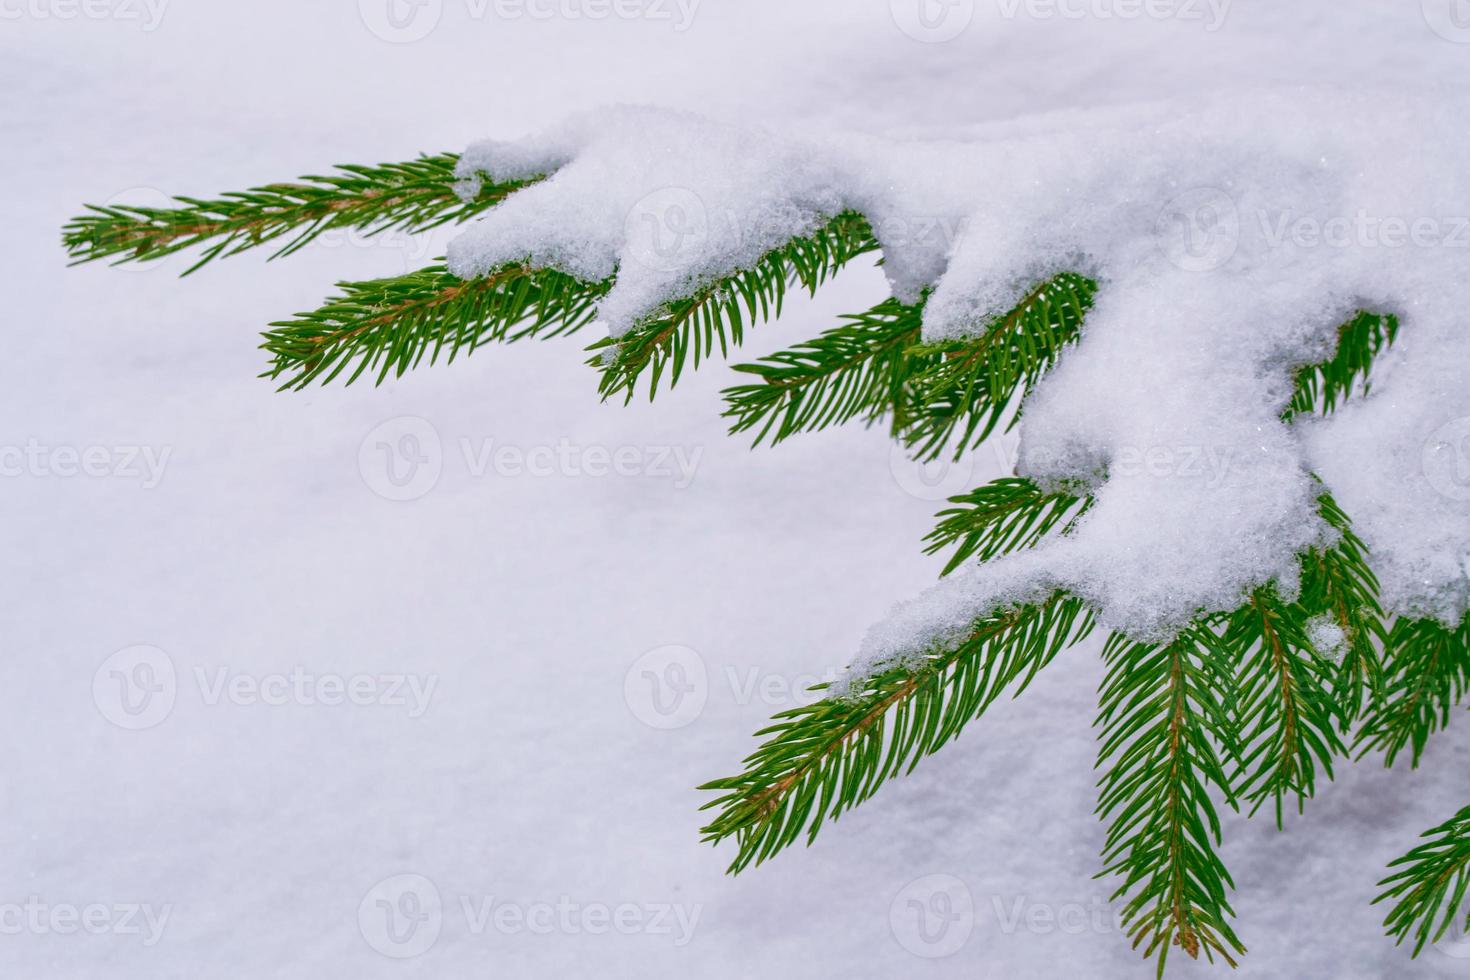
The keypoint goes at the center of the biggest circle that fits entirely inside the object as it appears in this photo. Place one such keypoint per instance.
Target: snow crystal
(1229, 240)
(1327, 637)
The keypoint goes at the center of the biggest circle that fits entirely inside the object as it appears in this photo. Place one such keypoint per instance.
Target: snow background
(531, 776)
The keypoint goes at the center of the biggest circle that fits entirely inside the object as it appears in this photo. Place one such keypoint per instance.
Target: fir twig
(387, 326)
(825, 758)
(1006, 515)
(859, 369)
(973, 386)
(1426, 674)
(1431, 885)
(1321, 387)
(414, 196)
(1162, 710)
(689, 330)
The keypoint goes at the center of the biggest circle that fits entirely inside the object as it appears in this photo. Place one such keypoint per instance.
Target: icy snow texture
(1230, 241)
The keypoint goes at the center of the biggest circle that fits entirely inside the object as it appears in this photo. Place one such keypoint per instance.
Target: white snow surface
(543, 606)
(1231, 236)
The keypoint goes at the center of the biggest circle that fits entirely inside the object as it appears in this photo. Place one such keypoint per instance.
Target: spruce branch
(1338, 583)
(1284, 715)
(1431, 885)
(822, 759)
(1008, 514)
(387, 326)
(973, 385)
(1321, 387)
(1162, 709)
(1426, 674)
(414, 196)
(859, 369)
(689, 330)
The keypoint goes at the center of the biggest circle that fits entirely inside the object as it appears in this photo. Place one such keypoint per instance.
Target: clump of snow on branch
(1230, 241)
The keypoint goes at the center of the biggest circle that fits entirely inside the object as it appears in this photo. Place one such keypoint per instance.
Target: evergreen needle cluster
(1242, 709)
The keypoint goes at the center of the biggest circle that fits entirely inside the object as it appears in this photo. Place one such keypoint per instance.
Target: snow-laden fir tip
(1229, 242)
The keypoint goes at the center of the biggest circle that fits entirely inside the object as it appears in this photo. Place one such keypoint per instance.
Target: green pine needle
(414, 196)
(386, 326)
(859, 369)
(1426, 674)
(688, 331)
(1431, 885)
(822, 759)
(1006, 515)
(1163, 711)
(1321, 387)
(974, 384)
